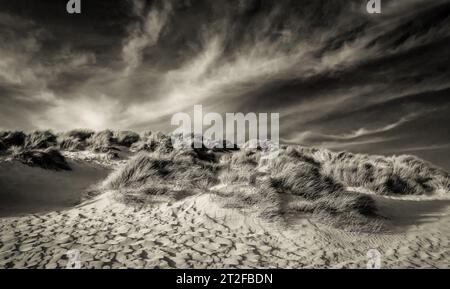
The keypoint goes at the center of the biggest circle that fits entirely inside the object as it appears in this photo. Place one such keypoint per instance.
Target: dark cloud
(339, 77)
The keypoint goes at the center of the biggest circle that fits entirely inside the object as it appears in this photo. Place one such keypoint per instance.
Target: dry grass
(152, 194)
(399, 175)
(245, 188)
(80, 134)
(50, 159)
(178, 171)
(74, 140)
(151, 142)
(101, 141)
(125, 138)
(72, 144)
(40, 140)
(12, 138)
(295, 174)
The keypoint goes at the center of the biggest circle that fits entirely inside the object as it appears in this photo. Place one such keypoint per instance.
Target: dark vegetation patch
(49, 159)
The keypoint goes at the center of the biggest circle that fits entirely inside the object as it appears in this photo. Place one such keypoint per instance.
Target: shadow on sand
(402, 214)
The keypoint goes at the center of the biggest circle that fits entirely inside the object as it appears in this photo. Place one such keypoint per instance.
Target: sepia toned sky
(339, 77)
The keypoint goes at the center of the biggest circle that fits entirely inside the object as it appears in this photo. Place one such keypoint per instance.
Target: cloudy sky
(339, 77)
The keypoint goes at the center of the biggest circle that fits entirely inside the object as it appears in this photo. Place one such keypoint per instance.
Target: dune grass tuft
(396, 175)
(294, 174)
(125, 138)
(101, 141)
(178, 171)
(12, 138)
(40, 140)
(74, 140)
(50, 159)
(151, 142)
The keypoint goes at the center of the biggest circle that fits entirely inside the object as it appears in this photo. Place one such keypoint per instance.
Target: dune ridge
(162, 207)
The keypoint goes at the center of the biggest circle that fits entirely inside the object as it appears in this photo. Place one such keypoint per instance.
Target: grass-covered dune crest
(320, 182)
(397, 175)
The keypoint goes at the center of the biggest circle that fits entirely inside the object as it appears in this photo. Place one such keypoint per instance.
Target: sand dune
(202, 209)
(26, 190)
(196, 233)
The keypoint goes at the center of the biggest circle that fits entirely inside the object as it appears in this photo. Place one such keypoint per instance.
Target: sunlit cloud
(82, 111)
(316, 137)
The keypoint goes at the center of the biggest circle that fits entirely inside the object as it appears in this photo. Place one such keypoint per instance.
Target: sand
(25, 190)
(196, 233)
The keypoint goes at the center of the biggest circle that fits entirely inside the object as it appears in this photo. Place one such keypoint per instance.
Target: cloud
(144, 33)
(333, 140)
(83, 111)
(25, 63)
(330, 69)
(436, 147)
(223, 72)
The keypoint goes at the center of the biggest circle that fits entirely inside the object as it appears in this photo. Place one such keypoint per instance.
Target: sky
(339, 77)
